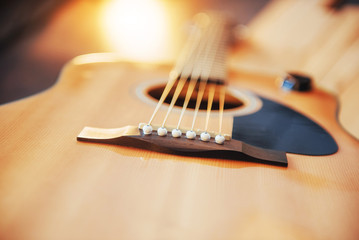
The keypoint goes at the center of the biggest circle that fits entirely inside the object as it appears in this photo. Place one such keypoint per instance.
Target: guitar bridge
(132, 136)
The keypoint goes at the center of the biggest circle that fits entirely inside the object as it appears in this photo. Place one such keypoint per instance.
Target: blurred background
(37, 37)
(319, 38)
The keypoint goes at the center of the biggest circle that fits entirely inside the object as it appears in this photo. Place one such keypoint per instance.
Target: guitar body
(53, 187)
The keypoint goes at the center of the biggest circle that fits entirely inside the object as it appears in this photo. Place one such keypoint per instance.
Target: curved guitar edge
(131, 136)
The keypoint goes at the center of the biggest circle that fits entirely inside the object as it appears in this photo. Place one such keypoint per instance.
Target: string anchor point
(147, 130)
(190, 134)
(219, 139)
(162, 131)
(176, 133)
(205, 137)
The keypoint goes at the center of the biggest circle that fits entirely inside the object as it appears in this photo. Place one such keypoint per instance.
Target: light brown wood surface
(53, 187)
(307, 37)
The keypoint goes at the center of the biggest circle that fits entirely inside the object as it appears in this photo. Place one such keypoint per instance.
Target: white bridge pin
(162, 131)
(176, 133)
(147, 130)
(190, 135)
(205, 136)
(219, 139)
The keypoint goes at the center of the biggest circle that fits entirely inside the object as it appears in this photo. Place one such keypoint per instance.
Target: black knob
(297, 82)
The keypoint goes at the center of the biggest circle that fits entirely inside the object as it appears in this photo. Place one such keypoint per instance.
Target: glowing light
(137, 29)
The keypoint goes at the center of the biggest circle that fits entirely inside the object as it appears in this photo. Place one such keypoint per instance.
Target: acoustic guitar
(119, 150)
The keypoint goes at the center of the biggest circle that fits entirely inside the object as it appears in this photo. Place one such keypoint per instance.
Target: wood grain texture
(53, 187)
(305, 36)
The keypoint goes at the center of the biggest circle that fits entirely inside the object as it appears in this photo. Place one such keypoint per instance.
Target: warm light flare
(137, 29)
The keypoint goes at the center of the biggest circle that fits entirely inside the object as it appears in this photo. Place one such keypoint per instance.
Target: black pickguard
(278, 127)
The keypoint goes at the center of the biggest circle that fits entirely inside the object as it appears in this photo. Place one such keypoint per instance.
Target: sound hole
(231, 102)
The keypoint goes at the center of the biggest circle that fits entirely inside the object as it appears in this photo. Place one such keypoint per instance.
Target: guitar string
(205, 77)
(187, 72)
(220, 73)
(222, 95)
(212, 89)
(202, 87)
(202, 63)
(178, 90)
(191, 43)
(196, 74)
(189, 93)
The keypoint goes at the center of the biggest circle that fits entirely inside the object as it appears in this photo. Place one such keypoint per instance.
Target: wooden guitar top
(53, 187)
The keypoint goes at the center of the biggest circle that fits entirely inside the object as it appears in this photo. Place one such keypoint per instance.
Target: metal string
(197, 61)
(190, 46)
(189, 71)
(206, 73)
(222, 94)
(197, 69)
(212, 89)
